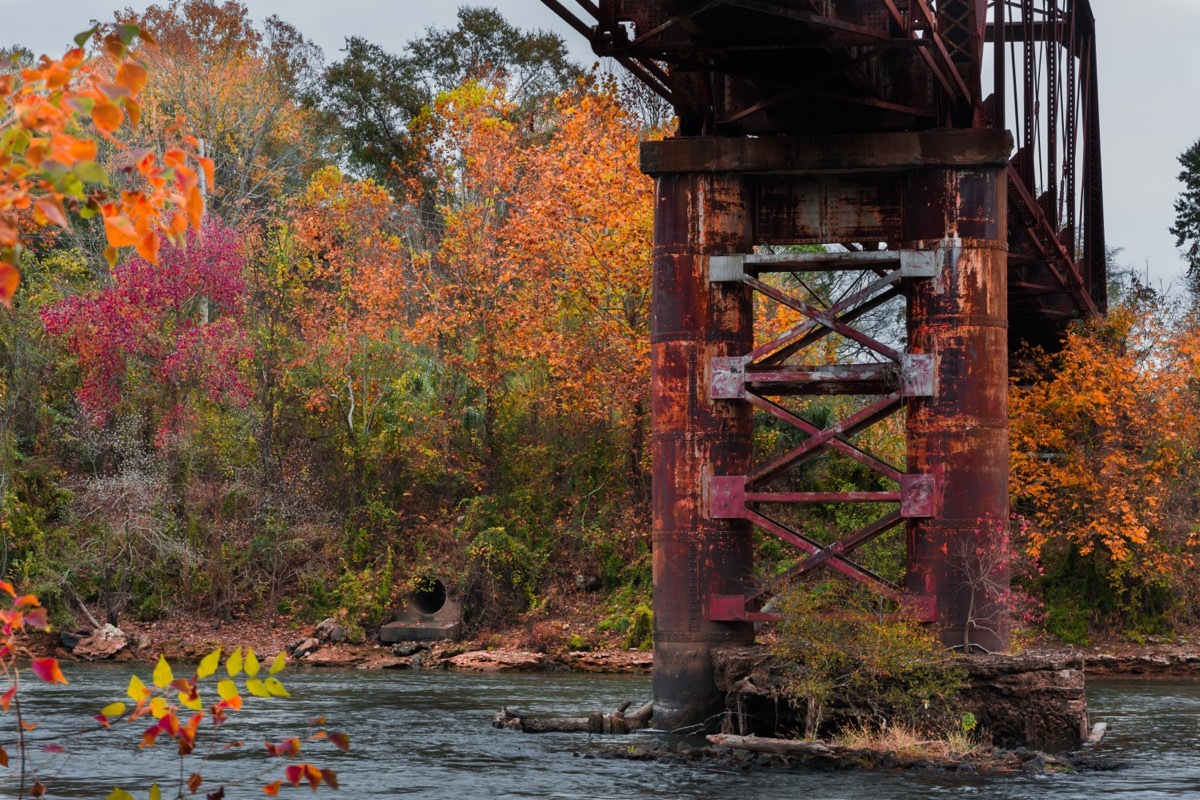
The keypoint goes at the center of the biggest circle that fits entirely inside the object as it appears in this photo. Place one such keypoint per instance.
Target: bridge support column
(940, 193)
(694, 437)
(960, 435)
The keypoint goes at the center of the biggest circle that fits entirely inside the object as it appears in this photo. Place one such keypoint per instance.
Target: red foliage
(179, 325)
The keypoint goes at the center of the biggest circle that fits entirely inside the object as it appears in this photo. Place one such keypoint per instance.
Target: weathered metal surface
(694, 321)
(869, 125)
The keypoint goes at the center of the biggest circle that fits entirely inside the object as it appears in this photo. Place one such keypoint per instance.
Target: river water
(428, 735)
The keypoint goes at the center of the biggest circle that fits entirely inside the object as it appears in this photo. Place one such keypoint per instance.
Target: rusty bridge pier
(698, 216)
(863, 130)
(937, 200)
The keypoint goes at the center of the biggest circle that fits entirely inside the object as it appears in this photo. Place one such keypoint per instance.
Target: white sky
(1149, 84)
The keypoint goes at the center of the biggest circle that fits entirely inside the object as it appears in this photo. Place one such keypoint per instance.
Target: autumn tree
(1103, 437)
(245, 92)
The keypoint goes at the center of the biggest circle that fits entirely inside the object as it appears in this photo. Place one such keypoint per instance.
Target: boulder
(102, 644)
(499, 661)
(329, 630)
(306, 647)
(405, 649)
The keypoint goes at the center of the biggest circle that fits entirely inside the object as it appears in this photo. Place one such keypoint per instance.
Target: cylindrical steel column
(960, 435)
(695, 437)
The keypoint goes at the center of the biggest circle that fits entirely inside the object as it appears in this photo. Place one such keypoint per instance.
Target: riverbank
(183, 640)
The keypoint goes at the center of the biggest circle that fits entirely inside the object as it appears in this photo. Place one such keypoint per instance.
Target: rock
(587, 583)
(404, 649)
(329, 630)
(334, 657)
(104, 643)
(69, 640)
(607, 661)
(306, 647)
(499, 661)
(291, 648)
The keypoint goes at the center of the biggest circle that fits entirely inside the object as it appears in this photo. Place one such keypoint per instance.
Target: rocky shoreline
(326, 647)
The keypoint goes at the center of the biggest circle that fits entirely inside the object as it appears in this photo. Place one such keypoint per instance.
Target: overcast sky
(1149, 84)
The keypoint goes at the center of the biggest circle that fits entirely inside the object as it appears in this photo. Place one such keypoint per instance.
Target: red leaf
(330, 778)
(294, 774)
(53, 748)
(37, 619)
(47, 669)
(271, 788)
(340, 740)
(6, 698)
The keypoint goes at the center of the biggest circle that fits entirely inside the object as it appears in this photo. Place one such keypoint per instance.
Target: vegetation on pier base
(840, 645)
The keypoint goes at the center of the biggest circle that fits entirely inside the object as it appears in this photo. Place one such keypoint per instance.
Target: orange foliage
(539, 287)
(1103, 449)
(46, 166)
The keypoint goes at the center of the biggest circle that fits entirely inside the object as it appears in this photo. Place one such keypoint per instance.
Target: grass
(909, 742)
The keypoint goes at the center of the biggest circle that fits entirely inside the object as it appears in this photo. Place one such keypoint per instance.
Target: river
(428, 735)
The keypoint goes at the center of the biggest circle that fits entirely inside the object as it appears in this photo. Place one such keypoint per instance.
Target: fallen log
(597, 722)
(779, 747)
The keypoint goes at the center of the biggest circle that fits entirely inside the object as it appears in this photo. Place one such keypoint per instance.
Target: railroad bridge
(945, 154)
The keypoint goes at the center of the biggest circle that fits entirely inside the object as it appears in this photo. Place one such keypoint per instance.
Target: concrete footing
(1030, 700)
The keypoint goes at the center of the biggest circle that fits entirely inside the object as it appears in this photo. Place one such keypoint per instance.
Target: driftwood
(598, 722)
(779, 747)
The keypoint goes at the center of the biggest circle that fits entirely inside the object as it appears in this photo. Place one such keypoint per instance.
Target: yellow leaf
(209, 664)
(155, 792)
(252, 664)
(276, 688)
(193, 703)
(278, 664)
(113, 709)
(162, 673)
(158, 707)
(233, 664)
(137, 691)
(255, 687)
(227, 689)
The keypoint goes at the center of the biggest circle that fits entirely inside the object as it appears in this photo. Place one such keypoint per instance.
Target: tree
(1187, 215)
(376, 95)
(245, 93)
(1103, 439)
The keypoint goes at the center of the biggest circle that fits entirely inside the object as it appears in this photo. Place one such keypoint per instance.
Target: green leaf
(91, 172)
(70, 185)
(127, 32)
(81, 38)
